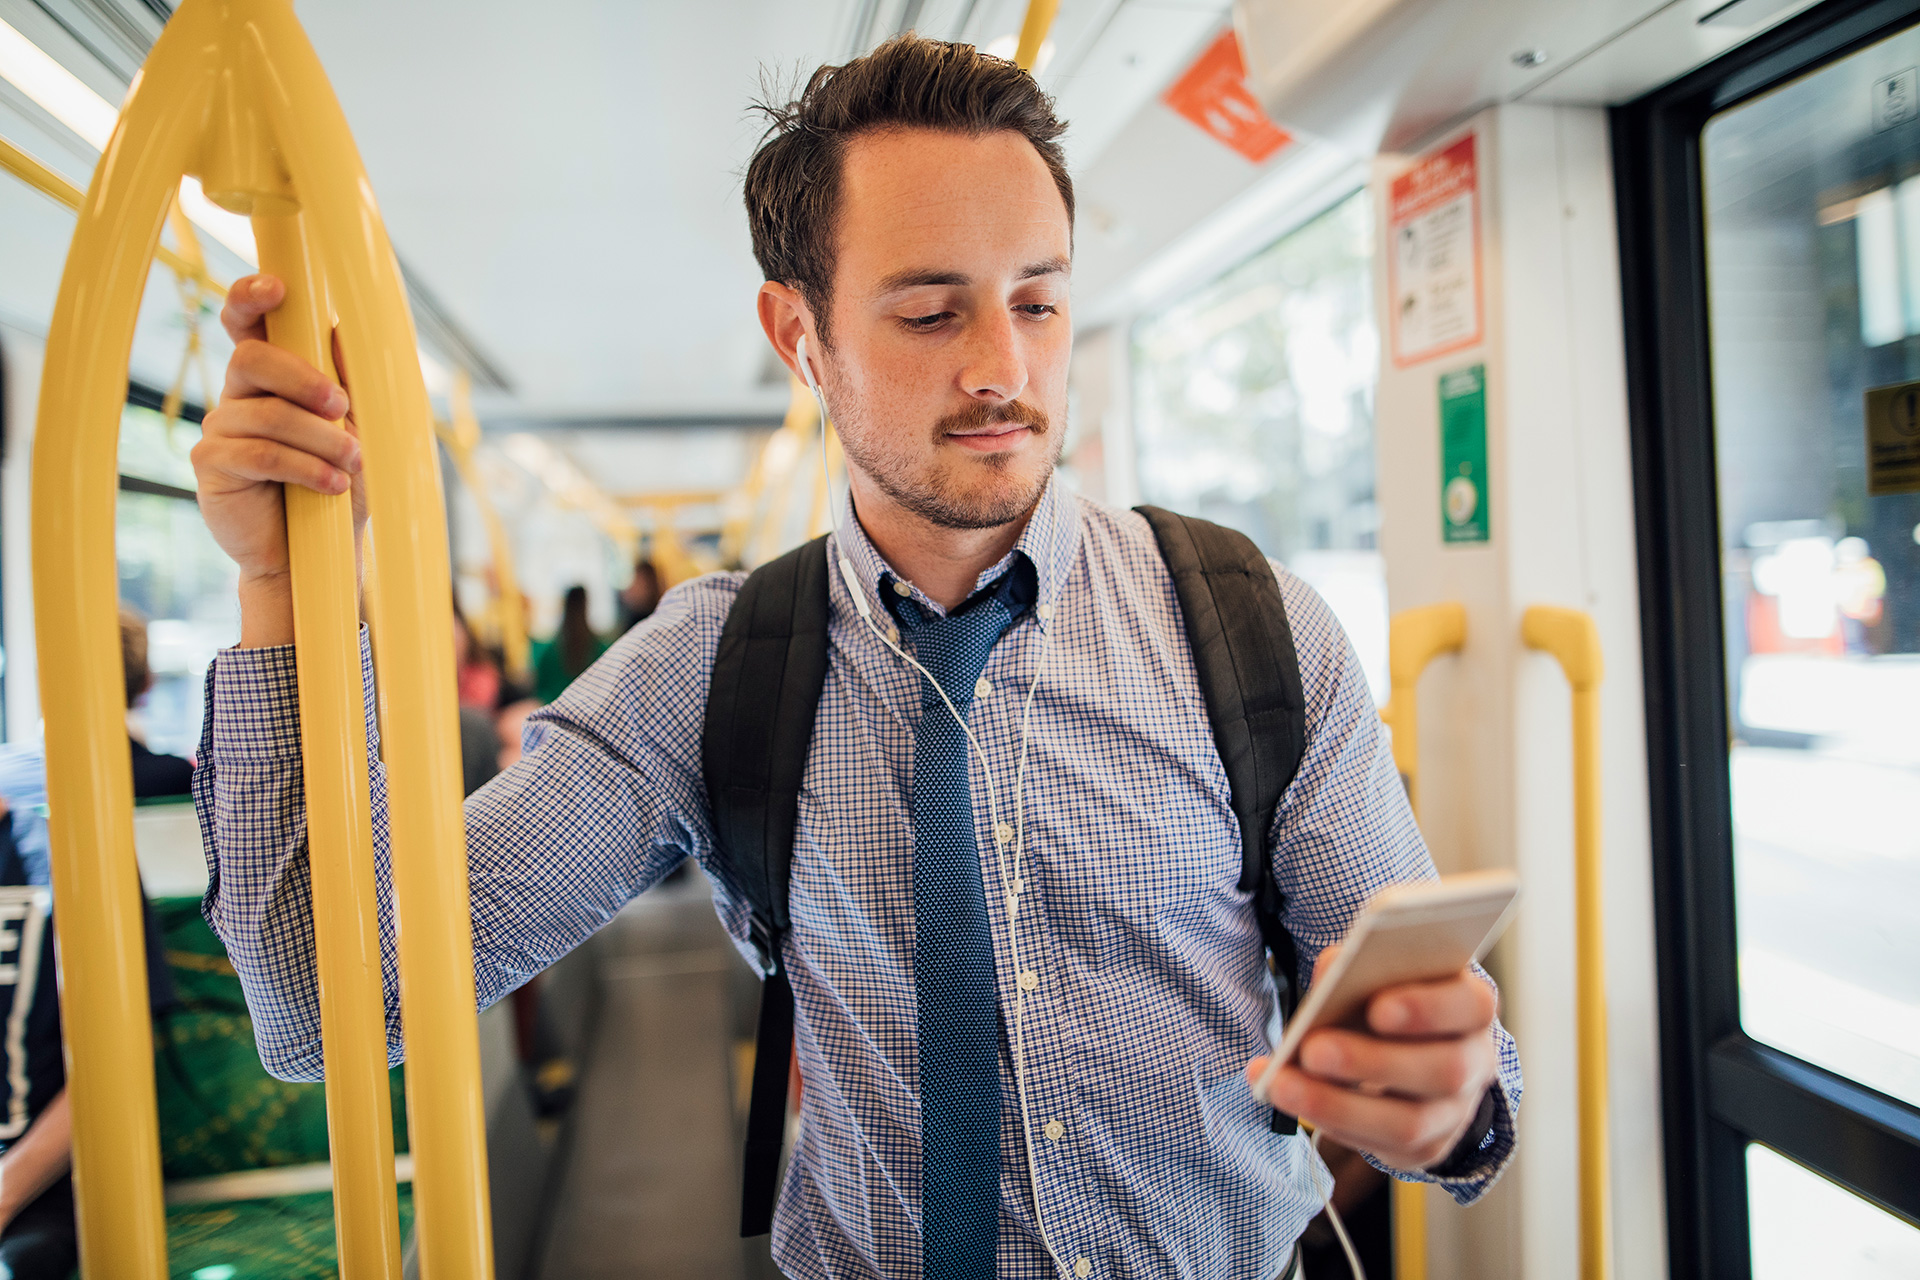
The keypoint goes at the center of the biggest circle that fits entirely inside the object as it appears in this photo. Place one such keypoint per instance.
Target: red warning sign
(1213, 94)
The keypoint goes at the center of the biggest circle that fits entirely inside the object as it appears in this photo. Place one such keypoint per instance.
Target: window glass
(151, 450)
(1813, 240)
(1802, 1225)
(1253, 406)
(171, 570)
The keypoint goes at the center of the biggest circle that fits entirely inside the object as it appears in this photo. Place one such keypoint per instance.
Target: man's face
(947, 376)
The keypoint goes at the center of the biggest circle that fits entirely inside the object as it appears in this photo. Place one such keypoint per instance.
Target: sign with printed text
(1214, 95)
(1464, 513)
(1433, 223)
(1893, 439)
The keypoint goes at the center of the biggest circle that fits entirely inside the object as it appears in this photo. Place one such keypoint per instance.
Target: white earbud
(833, 510)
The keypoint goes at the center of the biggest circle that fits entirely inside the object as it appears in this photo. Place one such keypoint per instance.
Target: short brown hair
(133, 652)
(793, 180)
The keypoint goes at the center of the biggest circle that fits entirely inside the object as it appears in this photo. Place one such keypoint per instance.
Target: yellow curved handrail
(1571, 637)
(1414, 638)
(234, 95)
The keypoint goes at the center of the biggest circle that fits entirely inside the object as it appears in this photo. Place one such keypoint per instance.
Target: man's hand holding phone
(1405, 1087)
(1392, 1049)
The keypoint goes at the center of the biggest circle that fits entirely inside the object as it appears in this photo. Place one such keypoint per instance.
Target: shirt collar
(1049, 541)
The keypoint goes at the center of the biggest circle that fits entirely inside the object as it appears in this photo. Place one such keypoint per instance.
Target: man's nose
(996, 367)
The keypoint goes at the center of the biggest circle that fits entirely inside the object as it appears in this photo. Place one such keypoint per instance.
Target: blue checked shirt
(1132, 994)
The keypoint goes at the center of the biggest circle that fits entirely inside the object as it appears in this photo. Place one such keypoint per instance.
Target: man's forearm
(37, 1161)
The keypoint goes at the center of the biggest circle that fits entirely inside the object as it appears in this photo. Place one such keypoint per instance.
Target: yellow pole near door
(234, 94)
(1570, 636)
(1415, 638)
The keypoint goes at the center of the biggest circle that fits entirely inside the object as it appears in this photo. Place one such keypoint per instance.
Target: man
(913, 218)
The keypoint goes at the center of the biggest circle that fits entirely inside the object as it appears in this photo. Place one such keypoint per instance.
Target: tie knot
(954, 649)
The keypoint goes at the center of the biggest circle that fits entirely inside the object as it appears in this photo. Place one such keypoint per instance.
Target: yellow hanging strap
(195, 300)
(234, 94)
(461, 436)
(1570, 636)
(1414, 639)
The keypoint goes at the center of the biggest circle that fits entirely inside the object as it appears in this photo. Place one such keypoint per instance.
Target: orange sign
(1213, 94)
(1434, 265)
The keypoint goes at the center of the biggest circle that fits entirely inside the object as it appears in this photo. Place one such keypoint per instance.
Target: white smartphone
(1421, 932)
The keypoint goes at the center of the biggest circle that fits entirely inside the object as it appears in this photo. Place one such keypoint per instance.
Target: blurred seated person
(559, 661)
(154, 774)
(640, 596)
(38, 1237)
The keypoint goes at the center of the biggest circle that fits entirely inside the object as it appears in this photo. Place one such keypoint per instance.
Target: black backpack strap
(1249, 673)
(767, 676)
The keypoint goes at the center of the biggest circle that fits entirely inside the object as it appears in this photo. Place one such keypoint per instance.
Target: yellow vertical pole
(1414, 639)
(234, 92)
(333, 749)
(1570, 636)
(103, 981)
(1033, 32)
(413, 643)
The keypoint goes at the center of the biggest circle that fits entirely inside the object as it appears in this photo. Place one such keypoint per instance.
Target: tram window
(1813, 251)
(172, 571)
(1804, 1225)
(1254, 407)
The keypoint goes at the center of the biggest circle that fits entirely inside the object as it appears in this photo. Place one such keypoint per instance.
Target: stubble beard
(938, 492)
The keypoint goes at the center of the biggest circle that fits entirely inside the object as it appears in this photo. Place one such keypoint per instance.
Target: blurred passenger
(38, 1239)
(559, 662)
(154, 774)
(478, 671)
(640, 596)
(1861, 584)
(510, 724)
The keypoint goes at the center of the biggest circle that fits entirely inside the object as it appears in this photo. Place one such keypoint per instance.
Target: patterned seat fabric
(220, 1112)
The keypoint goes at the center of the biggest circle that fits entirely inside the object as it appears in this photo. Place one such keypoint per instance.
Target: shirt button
(901, 588)
(982, 688)
(1055, 1130)
(1029, 980)
(1004, 833)
(1082, 1268)
(1045, 611)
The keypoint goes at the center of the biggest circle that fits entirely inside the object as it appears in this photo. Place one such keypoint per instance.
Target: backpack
(767, 678)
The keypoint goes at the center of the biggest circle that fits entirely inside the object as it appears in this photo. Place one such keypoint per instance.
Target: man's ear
(786, 317)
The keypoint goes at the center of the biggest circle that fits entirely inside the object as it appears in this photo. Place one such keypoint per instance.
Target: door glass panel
(1813, 248)
(1253, 406)
(1804, 1226)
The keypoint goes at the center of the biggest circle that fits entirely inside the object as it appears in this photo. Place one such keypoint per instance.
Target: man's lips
(992, 437)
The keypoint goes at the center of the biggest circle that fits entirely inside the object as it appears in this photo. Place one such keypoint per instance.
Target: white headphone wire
(1012, 886)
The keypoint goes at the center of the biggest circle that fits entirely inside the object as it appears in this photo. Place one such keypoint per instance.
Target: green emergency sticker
(1464, 514)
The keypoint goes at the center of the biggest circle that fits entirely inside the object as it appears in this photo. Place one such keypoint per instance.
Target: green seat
(220, 1113)
(285, 1238)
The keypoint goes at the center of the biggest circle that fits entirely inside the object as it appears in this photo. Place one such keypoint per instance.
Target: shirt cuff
(256, 706)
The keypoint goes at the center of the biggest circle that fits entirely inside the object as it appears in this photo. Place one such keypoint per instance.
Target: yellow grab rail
(1574, 641)
(234, 95)
(1033, 32)
(1415, 638)
(461, 436)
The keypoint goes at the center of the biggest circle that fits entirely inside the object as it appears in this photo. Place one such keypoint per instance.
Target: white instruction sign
(1434, 266)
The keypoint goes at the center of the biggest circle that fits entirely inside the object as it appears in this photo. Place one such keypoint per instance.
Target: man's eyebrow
(917, 278)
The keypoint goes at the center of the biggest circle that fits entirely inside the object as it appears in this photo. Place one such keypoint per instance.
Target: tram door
(1774, 201)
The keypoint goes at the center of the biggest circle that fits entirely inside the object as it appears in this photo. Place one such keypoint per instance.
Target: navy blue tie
(953, 955)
